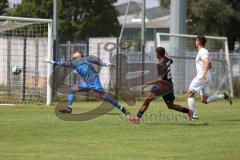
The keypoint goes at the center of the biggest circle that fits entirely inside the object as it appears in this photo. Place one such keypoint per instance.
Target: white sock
(215, 98)
(69, 106)
(191, 104)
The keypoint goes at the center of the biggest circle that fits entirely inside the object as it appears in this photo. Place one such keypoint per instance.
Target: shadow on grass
(178, 124)
(230, 120)
(114, 114)
(13, 107)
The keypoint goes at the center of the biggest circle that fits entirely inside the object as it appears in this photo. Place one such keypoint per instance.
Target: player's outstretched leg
(209, 99)
(111, 100)
(144, 107)
(169, 100)
(227, 98)
(182, 109)
(71, 94)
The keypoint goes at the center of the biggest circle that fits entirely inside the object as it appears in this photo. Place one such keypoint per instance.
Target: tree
(3, 5)
(208, 17)
(165, 3)
(232, 30)
(213, 17)
(88, 19)
(35, 9)
(78, 20)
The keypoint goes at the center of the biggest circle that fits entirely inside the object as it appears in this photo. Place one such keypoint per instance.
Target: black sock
(125, 111)
(185, 110)
(140, 114)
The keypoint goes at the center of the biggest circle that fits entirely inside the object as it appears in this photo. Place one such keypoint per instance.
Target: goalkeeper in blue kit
(84, 67)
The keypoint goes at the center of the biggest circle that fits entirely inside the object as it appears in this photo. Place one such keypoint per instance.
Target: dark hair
(78, 51)
(160, 51)
(202, 40)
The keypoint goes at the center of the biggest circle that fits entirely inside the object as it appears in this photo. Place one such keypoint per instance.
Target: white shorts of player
(198, 85)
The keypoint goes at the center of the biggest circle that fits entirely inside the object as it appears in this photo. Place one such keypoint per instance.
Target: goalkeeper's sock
(116, 104)
(70, 98)
(124, 111)
(215, 98)
(191, 104)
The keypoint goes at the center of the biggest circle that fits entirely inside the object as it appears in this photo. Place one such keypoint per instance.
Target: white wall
(104, 55)
(16, 58)
(11, 3)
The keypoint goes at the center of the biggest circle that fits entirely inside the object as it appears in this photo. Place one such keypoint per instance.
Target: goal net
(25, 42)
(183, 51)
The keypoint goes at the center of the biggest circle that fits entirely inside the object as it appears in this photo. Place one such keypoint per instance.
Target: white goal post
(182, 46)
(25, 42)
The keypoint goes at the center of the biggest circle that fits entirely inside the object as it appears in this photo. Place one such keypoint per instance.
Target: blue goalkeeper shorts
(95, 85)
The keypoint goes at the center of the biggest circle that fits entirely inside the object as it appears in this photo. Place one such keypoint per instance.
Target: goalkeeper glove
(110, 64)
(49, 61)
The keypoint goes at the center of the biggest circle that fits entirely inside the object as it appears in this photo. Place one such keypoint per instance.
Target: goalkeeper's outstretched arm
(98, 62)
(64, 64)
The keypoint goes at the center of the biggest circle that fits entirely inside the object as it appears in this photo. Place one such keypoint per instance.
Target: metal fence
(65, 53)
(131, 61)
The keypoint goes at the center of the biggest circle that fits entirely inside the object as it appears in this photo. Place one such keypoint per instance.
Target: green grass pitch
(34, 133)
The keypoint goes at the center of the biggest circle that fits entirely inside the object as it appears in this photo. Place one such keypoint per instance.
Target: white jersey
(202, 53)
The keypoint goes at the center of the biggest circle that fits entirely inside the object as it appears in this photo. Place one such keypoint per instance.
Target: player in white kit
(203, 78)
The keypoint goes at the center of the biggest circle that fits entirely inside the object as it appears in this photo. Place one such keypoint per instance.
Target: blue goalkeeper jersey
(84, 67)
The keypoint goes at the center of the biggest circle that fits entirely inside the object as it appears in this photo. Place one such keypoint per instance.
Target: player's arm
(162, 71)
(207, 65)
(152, 82)
(98, 62)
(64, 64)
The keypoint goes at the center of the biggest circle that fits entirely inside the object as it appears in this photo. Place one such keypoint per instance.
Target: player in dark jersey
(84, 65)
(163, 86)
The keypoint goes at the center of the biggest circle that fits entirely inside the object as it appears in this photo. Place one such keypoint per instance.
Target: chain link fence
(106, 49)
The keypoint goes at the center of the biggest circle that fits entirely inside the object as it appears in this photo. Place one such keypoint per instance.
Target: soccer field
(34, 132)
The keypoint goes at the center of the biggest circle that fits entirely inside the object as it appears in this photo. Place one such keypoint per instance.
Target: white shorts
(199, 86)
